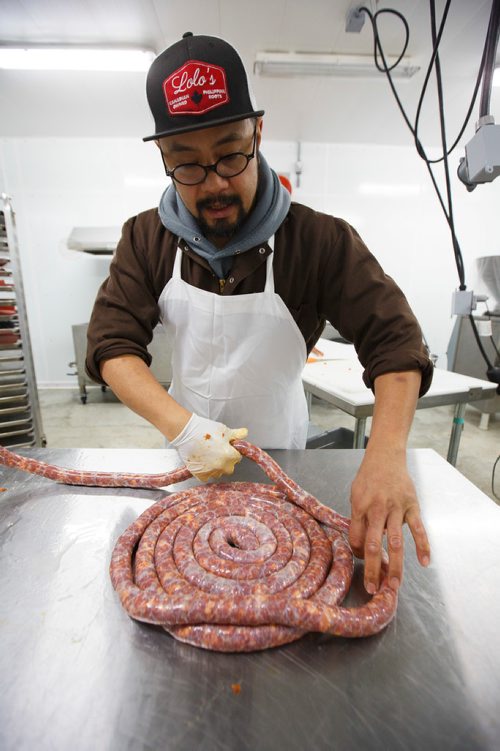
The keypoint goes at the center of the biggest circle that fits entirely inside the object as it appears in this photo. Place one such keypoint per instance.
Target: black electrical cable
(487, 62)
(439, 81)
(492, 37)
(383, 68)
(378, 50)
(479, 342)
(386, 69)
(436, 42)
(378, 46)
(474, 93)
(492, 44)
(494, 346)
(490, 316)
(493, 373)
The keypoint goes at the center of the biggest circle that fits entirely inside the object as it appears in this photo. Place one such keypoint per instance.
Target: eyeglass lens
(229, 166)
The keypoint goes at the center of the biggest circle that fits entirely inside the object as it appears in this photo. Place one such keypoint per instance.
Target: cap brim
(203, 126)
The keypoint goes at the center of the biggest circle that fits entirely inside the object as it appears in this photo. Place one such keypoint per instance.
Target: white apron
(237, 359)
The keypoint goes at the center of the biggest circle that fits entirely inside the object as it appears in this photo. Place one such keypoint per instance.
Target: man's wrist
(386, 449)
(176, 423)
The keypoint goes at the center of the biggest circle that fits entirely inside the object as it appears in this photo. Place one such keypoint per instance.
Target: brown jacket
(322, 271)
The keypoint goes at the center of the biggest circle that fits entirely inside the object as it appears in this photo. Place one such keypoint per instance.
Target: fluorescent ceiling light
(75, 58)
(496, 77)
(315, 64)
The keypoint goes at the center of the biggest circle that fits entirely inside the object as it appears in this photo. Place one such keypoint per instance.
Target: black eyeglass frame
(212, 167)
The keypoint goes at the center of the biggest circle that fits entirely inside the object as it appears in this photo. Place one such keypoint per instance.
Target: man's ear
(259, 126)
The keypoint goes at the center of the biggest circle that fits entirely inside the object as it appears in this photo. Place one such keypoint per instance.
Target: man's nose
(214, 181)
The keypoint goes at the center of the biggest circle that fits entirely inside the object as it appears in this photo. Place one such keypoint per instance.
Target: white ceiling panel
(311, 109)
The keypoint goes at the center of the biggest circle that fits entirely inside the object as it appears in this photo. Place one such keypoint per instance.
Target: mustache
(218, 202)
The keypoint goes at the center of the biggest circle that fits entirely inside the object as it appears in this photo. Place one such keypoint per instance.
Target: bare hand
(383, 498)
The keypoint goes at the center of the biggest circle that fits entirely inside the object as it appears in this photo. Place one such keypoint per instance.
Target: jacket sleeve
(369, 309)
(126, 310)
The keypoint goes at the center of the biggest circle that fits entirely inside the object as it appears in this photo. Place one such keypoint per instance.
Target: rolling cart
(20, 419)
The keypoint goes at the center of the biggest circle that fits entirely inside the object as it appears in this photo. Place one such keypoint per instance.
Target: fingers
(419, 535)
(205, 446)
(238, 434)
(213, 474)
(395, 548)
(373, 550)
(357, 532)
(366, 540)
(224, 466)
(233, 457)
(365, 537)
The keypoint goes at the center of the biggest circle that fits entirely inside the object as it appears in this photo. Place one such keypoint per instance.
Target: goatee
(220, 229)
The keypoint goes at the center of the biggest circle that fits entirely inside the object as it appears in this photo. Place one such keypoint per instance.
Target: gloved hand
(204, 445)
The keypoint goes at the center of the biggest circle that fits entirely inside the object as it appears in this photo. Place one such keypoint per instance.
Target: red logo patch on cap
(195, 88)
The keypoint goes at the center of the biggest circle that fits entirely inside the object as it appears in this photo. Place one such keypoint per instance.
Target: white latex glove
(204, 445)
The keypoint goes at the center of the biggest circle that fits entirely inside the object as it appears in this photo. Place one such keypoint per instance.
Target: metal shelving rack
(20, 419)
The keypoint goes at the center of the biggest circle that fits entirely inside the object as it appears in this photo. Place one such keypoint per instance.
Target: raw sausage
(95, 479)
(234, 566)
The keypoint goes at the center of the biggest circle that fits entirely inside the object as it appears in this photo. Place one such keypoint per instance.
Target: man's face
(219, 204)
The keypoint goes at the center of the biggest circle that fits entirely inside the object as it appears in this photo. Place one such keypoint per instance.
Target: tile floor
(105, 423)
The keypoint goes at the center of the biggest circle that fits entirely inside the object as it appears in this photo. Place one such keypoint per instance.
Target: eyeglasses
(230, 165)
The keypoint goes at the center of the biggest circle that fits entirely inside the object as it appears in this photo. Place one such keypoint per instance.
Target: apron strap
(269, 267)
(176, 273)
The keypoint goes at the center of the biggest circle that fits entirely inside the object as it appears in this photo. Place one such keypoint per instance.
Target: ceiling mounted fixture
(75, 58)
(292, 64)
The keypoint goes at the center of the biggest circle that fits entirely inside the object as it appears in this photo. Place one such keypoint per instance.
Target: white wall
(55, 185)
(384, 191)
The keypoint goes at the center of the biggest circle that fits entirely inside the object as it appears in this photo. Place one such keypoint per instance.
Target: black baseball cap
(197, 83)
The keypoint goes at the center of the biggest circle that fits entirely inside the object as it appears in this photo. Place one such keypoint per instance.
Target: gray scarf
(271, 207)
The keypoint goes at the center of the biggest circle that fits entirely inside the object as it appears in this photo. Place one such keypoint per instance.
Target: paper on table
(332, 351)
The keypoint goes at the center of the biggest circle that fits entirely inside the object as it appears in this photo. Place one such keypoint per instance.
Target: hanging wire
(479, 342)
(491, 45)
(442, 124)
(494, 346)
(474, 93)
(447, 210)
(487, 64)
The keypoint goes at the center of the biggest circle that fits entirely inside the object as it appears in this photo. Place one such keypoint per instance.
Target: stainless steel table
(337, 379)
(77, 673)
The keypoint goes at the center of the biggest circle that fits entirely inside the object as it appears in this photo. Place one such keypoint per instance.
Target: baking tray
(10, 359)
(9, 388)
(19, 442)
(16, 433)
(15, 422)
(5, 347)
(21, 409)
(11, 372)
(8, 381)
(15, 402)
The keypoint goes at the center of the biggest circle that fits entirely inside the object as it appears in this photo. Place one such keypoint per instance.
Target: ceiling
(308, 109)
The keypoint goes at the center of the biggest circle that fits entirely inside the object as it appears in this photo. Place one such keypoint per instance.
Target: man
(244, 281)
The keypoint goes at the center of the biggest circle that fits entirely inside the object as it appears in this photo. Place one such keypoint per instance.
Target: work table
(78, 673)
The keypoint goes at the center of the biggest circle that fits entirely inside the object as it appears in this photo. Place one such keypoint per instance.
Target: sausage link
(233, 567)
